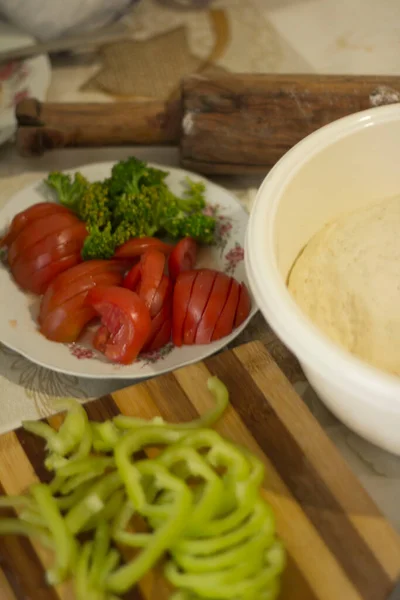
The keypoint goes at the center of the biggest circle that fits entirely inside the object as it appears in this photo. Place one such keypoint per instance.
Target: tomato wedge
(38, 230)
(243, 307)
(226, 319)
(213, 309)
(66, 322)
(162, 338)
(132, 278)
(162, 294)
(125, 321)
(56, 244)
(46, 252)
(29, 215)
(157, 324)
(152, 266)
(183, 257)
(201, 291)
(182, 293)
(137, 246)
(79, 279)
(38, 281)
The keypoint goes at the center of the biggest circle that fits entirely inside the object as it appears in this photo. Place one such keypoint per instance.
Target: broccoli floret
(69, 190)
(194, 196)
(133, 202)
(125, 232)
(94, 207)
(100, 243)
(129, 175)
(197, 226)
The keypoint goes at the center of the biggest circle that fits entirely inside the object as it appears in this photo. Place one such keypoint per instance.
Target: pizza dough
(347, 281)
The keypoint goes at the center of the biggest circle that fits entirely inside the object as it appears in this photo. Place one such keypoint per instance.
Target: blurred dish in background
(19, 78)
(51, 19)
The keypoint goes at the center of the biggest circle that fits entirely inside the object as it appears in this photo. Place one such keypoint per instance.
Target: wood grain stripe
(20, 562)
(363, 513)
(303, 480)
(301, 578)
(34, 448)
(6, 592)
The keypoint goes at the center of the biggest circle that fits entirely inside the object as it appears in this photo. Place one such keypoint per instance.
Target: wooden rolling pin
(232, 124)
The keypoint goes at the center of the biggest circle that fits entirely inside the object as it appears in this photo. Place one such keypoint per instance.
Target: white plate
(18, 329)
(25, 78)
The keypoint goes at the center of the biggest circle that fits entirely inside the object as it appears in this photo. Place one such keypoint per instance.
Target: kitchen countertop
(327, 36)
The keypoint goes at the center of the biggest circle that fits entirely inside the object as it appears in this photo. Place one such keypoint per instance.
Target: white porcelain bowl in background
(342, 166)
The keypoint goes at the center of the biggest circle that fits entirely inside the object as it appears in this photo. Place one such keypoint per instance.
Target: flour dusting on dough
(347, 281)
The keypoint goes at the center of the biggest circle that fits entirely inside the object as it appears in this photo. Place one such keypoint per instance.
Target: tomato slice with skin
(202, 289)
(74, 235)
(66, 322)
(138, 246)
(162, 338)
(243, 307)
(22, 219)
(152, 264)
(53, 299)
(30, 265)
(165, 314)
(213, 309)
(126, 318)
(181, 297)
(183, 257)
(38, 282)
(132, 278)
(89, 268)
(225, 322)
(37, 230)
(162, 294)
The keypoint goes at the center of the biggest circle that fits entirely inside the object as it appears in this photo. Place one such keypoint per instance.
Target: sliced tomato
(243, 307)
(29, 215)
(152, 264)
(38, 230)
(162, 338)
(126, 322)
(213, 309)
(225, 322)
(162, 294)
(157, 323)
(132, 278)
(182, 293)
(38, 281)
(183, 257)
(137, 246)
(201, 292)
(73, 236)
(58, 293)
(46, 253)
(66, 322)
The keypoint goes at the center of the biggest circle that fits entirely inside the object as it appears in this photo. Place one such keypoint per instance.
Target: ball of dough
(347, 281)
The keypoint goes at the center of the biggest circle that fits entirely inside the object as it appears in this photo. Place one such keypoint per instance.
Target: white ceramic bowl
(340, 167)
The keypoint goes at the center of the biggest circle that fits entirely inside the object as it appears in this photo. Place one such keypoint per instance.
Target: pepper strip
(261, 516)
(92, 503)
(208, 503)
(179, 511)
(221, 397)
(65, 547)
(71, 432)
(19, 527)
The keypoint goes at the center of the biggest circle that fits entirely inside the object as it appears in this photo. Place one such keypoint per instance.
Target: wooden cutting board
(339, 545)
